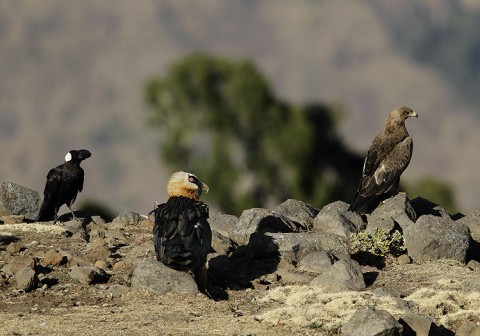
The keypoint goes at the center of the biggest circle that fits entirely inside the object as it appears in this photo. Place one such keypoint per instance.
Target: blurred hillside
(73, 73)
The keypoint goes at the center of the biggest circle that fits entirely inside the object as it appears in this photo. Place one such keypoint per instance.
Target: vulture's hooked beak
(204, 187)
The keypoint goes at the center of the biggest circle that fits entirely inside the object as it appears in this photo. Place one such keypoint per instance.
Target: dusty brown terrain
(446, 291)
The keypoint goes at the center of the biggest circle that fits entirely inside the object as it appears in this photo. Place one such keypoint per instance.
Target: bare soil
(66, 307)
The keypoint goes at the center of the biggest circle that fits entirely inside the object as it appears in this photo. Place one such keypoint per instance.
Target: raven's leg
(71, 210)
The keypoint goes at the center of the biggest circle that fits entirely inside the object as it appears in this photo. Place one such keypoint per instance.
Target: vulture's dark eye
(191, 179)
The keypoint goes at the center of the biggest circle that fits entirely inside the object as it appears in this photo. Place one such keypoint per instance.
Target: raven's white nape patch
(68, 157)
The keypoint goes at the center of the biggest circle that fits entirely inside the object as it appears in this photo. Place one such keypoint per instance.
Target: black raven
(64, 182)
(182, 235)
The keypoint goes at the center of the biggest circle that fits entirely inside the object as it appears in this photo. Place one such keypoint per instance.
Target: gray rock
(298, 212)
(295, 246)
(18, 200)
(17, 263)
(156, 277)
(332, 219)
(98, 220)
(432, 238)
(404, 259)
(221, 244)
(74, 226)
(414, 324)
(25, 279)
(395, 210)
(369, 321)
(54, 258)
(222, 223)
(99, 253)
(88, 275)
(14, 247)
(472, 221)
(293, 278)
(468, 329)
(316, 262)
(474, 265)
(127, 218)
(12, 219)
(116, 290)
(341, 276)
(261, 220)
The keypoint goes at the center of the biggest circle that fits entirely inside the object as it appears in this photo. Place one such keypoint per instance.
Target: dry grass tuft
(312, 307)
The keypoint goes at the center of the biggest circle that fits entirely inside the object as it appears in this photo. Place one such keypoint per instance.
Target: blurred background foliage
(220, 119)
(433, 189)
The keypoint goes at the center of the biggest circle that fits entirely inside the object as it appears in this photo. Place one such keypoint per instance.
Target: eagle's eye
(191, 179)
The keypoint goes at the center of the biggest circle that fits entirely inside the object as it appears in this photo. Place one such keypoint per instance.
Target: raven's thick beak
(84, 154)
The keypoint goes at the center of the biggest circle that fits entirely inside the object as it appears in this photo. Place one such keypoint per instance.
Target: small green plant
(380, 243)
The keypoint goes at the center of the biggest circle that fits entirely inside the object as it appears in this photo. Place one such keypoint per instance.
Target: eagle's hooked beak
(414, 114)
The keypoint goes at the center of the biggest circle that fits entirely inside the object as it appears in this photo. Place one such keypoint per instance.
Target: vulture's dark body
(182, 235)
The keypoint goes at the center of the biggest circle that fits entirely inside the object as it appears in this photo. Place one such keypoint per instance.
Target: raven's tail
(47, 213)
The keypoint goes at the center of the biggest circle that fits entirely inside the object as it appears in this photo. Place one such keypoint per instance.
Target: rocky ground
(292, 270)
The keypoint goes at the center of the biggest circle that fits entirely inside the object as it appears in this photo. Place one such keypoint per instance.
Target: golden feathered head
(186, 185)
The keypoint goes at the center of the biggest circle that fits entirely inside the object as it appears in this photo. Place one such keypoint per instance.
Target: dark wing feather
(384, 164)
(182, 235)
(81, 178)
(388, 171)
(50, 193)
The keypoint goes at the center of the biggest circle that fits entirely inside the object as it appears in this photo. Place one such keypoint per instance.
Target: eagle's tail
(363, 204)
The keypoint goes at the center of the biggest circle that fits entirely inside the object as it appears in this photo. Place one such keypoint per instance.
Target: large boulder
(418, 325)
(369, 321)
(18, 200)
(344, 275)
(258, 220)
(316, 262)
(299, 212)
(156, 277)
(295, 246)
(432, 238)
(472, 221)
(222, 223)
(396, 210)
(88, 275)
(335, 218)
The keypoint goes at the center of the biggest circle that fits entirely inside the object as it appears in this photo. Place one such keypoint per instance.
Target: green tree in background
(220, 119)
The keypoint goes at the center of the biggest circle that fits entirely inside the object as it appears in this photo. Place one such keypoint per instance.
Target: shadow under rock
(238, 271)
(5, 240)
(370, 277)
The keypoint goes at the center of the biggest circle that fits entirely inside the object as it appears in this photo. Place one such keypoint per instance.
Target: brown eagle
(182, 235)
(387, 158)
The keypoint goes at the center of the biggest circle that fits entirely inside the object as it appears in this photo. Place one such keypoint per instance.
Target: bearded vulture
(182, 235)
